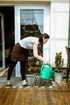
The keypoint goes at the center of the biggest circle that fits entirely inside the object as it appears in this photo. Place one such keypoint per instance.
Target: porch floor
(33, 95)
(16, 81)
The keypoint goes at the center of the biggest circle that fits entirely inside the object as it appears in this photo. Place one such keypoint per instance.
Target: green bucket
(46, 72)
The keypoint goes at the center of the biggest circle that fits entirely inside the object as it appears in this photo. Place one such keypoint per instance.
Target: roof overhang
(12, 2)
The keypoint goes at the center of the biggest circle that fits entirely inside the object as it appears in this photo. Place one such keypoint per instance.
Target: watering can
(46, 72)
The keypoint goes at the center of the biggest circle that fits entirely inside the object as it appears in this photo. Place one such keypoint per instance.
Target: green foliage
(59, 61)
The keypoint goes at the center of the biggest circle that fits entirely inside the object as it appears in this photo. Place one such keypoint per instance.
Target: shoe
(24, 83)
(8, 83)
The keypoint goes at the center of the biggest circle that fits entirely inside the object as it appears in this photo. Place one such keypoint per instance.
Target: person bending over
(20, 53)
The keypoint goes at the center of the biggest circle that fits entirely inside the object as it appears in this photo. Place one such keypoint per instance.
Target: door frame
(3, 42)
(17, 24)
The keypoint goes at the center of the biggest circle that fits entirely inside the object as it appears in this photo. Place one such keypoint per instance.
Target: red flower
(38, 68)
(32, 70)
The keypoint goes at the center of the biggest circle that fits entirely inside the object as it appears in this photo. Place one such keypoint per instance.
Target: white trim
(3, 42)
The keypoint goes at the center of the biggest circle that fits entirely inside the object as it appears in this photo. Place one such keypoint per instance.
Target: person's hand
(46, 62)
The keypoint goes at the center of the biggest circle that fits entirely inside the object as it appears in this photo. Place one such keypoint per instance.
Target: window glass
(31, 23)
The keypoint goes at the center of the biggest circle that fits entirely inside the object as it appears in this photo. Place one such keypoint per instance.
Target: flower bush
(59, 61)
(34, 68)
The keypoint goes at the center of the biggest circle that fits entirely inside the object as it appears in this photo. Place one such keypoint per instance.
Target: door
(28, 19)
(2, 50)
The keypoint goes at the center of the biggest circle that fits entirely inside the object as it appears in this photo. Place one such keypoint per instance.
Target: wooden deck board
(35, 96)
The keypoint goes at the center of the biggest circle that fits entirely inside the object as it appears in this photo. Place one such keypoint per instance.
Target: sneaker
(24, 83)
(8, 83)
(50, 86)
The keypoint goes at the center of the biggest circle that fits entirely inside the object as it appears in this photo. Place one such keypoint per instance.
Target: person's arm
(36, 55)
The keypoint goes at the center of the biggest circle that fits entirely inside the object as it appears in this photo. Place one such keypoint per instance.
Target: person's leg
(23, 72)
(10, 70)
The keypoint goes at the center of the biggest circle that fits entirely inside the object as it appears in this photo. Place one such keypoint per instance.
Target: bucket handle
(50, 66)
(43, 66)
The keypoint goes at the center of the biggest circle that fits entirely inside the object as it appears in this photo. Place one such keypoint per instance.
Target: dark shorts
(18, 53)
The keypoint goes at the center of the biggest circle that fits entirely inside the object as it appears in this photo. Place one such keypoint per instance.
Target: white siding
(59, 29)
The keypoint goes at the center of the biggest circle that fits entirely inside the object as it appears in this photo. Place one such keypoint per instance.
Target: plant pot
(58, 77)
(30, 79)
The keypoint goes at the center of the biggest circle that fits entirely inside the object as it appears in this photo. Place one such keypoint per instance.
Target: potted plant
(59, 62)
(33, 71)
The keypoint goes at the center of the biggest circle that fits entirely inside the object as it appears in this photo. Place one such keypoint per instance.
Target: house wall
(59, 18)
(59, 14)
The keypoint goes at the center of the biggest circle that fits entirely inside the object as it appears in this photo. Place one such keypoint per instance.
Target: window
(31, 23)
